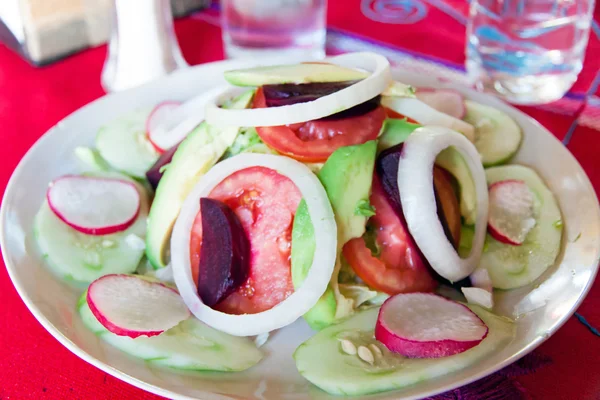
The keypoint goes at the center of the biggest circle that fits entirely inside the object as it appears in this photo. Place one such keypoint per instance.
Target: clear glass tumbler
(527, 51)
(258, 28)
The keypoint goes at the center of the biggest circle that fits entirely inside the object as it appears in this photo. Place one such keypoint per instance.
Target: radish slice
(424, 114)
(363, 90)
(160, 138)
(131, 306)
(423, 325)
(319, 275)
(415, 183)
(511, 211)
(94, 206)
(175, 125)
(447, 101)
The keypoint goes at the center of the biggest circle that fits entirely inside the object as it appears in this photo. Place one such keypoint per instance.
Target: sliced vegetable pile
(326, 191)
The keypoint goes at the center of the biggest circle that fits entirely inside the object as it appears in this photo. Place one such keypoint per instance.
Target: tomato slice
(393, 114)
(265, 202)
(448, 205)
(399, 267)
(314, 141)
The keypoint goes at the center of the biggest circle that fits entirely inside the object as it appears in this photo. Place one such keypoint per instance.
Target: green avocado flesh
(322, 361)
(191, 345)
(393, 132)
(347, 176)
(198, 152)
(303, 250)
(297, 73)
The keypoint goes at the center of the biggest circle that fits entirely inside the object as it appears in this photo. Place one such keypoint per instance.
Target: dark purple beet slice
(289, 93)
(386, 168)
(225, 253)
(154, 174)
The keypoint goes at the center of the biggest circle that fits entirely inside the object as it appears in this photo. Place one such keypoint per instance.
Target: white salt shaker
(142, 46)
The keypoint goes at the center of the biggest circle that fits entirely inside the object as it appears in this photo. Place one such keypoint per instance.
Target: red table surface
(35, 366)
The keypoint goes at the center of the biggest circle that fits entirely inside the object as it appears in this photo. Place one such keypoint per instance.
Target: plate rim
(123, 376)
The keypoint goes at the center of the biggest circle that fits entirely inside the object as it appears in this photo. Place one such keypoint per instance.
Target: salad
(383, 215)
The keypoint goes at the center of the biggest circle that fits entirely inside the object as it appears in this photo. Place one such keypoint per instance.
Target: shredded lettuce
(362, 294)
(247, 141)
(364, 208)
(346, 274)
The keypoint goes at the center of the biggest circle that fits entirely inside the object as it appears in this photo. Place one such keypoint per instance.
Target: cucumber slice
(90, 159)
(79, 258)
(196, 154)
(191, 345)
(322, 361)
(497, 136)
(124, 145)
(515, 266)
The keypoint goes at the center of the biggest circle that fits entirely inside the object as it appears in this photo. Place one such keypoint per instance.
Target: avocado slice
(296, 73)
(198, 152)
(394, 131)
(347, 177)
(303, 250)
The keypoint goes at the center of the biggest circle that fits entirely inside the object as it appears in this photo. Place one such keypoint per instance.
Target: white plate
(53, 303)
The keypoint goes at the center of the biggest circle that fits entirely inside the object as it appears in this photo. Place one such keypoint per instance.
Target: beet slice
(289, 93)
(386, 167)
(225, 252)
(155, 173)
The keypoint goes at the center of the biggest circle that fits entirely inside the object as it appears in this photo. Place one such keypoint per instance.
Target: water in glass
(527, 51)
(275, 27)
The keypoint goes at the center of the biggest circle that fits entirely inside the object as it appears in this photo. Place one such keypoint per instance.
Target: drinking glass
(258, 28)
(527, 51)
(142, 46)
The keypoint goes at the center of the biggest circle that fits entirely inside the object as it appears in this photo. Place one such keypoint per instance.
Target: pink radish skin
(160, 144)
(510, 202)
(423, 325)
(128, 305)
(447, 101)
(94, 206)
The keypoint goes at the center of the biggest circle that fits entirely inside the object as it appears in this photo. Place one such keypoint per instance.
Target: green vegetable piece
(393, 132)
(303, 250)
